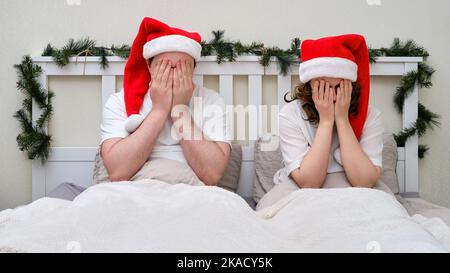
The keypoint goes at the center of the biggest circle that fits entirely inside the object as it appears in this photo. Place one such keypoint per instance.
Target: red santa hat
(154, 37)
(344, 56)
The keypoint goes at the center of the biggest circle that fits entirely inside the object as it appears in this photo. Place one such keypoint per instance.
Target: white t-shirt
(297, 135)
(207, 108)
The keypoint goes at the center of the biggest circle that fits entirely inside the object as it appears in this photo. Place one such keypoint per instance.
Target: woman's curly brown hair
(303, 92)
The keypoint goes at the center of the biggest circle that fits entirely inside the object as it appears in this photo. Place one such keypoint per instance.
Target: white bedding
(153, 216)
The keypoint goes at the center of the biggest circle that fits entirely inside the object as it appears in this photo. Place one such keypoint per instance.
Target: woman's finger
(341, 91)
(326, 93)
(349, 90)
(315, 91)
(321, 89)
(338, 95)
(332, 95)
(344, 91)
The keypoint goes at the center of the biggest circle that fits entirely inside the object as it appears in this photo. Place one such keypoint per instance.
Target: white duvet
(153, 216)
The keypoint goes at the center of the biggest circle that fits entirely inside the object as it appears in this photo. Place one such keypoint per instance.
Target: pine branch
(218, 36)
(408, 48)
(36, 144)
(24, 120)
(374, 54)
(425, 72)
(47, 113)
(285, 59)
(48, 51)
(207, 49)
(405, 88)
(32, 139)
(295, 47)
(102, 53)
(423, 150)
(426, 119)
(27, 104)
(27, 73)
(255, 48)
(73, 48)
(123, 51)
(406, 133)
(429, 118)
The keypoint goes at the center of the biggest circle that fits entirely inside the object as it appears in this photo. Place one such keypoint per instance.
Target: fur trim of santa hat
(345, 56)
(170, 43)
(153, 38)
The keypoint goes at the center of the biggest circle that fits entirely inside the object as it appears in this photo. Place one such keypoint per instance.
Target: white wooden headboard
(75, 164)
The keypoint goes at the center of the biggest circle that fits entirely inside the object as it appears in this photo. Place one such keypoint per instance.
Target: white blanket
(153, 216)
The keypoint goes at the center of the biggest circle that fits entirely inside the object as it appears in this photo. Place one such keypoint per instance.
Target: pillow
(100, 174)
(339, 180)
(267, 163)
(390, 155)
(163, 169)
(229, 180)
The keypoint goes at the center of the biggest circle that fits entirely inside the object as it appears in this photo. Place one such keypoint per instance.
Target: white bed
(75, 164)
(155, 216)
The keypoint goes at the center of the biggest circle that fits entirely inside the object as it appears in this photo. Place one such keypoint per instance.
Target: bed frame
(75, 164)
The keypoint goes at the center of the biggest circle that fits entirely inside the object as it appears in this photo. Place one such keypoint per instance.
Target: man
(161, 113)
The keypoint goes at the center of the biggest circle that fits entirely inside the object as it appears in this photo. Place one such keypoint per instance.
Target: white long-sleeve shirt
(297, 135)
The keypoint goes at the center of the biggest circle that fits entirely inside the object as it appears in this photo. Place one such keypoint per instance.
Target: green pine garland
(33, 139)
(422, 76)
(36, 141)
(85, 47)
(229, 51)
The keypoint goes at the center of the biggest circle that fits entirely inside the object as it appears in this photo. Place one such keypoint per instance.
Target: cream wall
(27, 26)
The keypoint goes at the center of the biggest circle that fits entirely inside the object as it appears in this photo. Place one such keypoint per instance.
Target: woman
(329, 135)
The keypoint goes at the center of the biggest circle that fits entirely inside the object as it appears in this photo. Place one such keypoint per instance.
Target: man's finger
(191, 67)
(158, 66)
(176, 79)
(161, 70)
(183, 70)
(188, 76)
(165, 75)
(169, 82)
(180, 74)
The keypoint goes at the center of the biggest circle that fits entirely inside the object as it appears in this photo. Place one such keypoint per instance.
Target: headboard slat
(254, 103)
(283, 86)
(108, 87)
